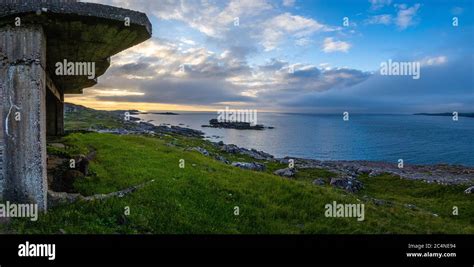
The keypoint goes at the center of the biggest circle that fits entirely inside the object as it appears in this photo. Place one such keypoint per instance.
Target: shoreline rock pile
(214, 123)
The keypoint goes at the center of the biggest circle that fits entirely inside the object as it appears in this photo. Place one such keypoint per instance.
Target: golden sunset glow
(113, 105)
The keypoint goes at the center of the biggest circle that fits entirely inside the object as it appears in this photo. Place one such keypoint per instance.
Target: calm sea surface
(415, 139)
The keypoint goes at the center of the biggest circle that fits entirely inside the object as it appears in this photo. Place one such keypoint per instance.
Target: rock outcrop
(253, 166)
(287, 172)
(440, 173)
(214, 123)
(253, 153)
(470, 190)
(350, 184)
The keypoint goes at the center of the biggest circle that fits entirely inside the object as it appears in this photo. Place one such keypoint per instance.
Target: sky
(306, 56)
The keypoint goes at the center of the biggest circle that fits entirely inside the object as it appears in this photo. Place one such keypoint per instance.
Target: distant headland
(470, 114)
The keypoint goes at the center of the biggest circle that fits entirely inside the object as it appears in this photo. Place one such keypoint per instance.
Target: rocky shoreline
(347, 172)
(142, 127)
(440, 173)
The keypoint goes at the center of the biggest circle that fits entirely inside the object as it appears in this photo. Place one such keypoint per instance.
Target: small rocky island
(161, 113)
(214, 123)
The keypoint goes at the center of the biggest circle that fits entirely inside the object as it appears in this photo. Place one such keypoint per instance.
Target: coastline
(446, 174)
(380, 137)
(440, 173)
(186, 184)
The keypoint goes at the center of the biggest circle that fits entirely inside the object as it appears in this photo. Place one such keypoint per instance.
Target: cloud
(384, 19)
(434, 61)
(187, 41)
(216, 64)
(441, 88)
(262, 23)
(278, 77)
(303, 41)
(159, 71)
(289, 3)
(194, 91)
(211, 19)
(288, 25)
(378, 4)
(405, 16)
(152, 73)
(330, 46)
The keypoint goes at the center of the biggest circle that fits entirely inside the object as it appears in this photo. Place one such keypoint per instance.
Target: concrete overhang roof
(79, 32)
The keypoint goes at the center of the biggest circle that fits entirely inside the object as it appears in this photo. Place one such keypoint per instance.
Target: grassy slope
(201, 197)
(85, 118)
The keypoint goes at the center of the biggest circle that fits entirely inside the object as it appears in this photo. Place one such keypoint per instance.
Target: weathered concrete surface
(49, 31)
(22, 78)
(2, 143)
(35, 1)
(79, 32)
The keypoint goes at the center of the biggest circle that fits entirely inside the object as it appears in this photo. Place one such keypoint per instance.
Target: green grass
(85, 118)
(438, 199)
(201, 197)
(309, 175)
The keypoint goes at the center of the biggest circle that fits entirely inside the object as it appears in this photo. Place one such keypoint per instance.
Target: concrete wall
(22, 78)
(2, 145)
(36, 1)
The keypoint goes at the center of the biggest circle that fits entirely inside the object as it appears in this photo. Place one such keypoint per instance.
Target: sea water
(415, 139)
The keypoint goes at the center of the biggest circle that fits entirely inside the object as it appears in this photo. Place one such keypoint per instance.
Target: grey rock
(222, 159)
(380, 202)
(142, 127)
(349, 184)
(375, 173)
(231, 149)
(258, 155)
(288, 172)
(283, 161)
(82, 164)
(201, 150)
(470, 190)
(215, 123)
(59, 198)
(338, 182)
(249, 166)
(319, 182)
(363, 170)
